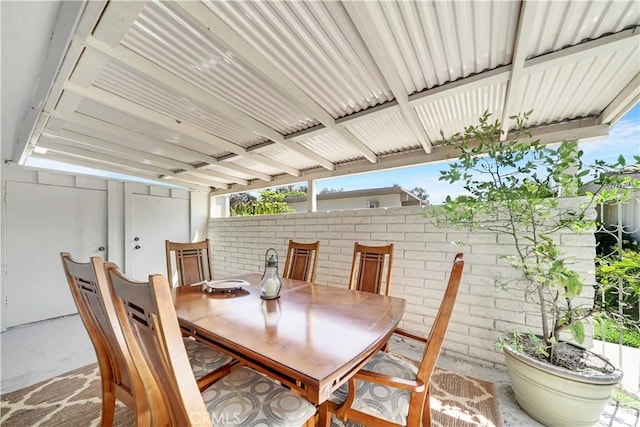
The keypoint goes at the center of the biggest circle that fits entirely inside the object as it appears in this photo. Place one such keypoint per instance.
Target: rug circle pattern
(74, 399)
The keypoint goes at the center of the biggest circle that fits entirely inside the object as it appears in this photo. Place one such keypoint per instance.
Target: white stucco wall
(384, 201)
(117, 194)
(422, 260)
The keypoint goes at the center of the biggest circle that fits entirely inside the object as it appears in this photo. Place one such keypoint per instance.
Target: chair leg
(426, 410)
(108, 405)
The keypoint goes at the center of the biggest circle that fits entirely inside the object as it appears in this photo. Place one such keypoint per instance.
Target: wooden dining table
(313, 338)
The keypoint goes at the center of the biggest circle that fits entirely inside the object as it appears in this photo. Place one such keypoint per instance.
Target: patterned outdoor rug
(73, 399)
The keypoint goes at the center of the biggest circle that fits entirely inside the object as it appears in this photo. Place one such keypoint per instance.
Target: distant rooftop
(367, 192)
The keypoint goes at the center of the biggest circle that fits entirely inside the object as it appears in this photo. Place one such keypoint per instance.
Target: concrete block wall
(423, 255)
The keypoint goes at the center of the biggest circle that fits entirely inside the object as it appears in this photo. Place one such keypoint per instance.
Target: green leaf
(577, 331)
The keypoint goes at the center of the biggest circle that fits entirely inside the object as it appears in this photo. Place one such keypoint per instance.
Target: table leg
(324, 417)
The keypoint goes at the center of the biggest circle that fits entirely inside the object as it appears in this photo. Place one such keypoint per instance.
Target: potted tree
(516, 188)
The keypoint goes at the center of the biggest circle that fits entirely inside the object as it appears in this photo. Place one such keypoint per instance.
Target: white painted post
(220, 207)
(312, 204)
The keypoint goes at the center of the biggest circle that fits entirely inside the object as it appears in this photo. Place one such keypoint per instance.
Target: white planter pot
(556, 396)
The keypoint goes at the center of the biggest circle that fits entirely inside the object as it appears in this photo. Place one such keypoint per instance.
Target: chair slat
(368, 268)
(302, 261)
(192, 262)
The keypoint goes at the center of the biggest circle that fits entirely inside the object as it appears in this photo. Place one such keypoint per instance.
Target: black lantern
(270, 282)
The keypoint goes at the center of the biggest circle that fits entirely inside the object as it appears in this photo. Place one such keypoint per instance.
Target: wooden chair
(94, 301)
(150, 325)
(405, 387)
(118, 375)
(192, 262)
(301, 262)
(368, 267)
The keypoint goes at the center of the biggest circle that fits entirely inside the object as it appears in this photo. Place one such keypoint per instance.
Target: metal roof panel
(316, 45)
(427, 54)
(386, 134)
(124, 120)
(559, 24)
(452, 113)
(166, 38)
(331, 146)
(135, 87)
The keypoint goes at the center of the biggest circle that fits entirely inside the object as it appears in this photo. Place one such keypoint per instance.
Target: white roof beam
(108, 167)
(166, 147)
(622, 40)
(210, 174)
(622, 103)
(90, 154)
(548, 134)
(468, 84)
(88, 67)
(95, 164)
(123, 161)
(92, 12)
(205, 98)
(122, 104)
(369, 114)
(199, 15)
(68, 64)
(371, 36)
(116, 20)
(514, 87)
(101, 144)
(184, 180)
(361, 116)
(67, 21)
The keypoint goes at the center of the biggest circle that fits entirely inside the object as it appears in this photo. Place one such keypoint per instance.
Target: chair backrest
(441, 322)
(301, 262)
(192, 262)
(368, 268)
(150, 325)
(92, 296)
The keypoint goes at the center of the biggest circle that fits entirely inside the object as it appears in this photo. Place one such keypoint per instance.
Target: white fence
(422, 260)
(620, 230)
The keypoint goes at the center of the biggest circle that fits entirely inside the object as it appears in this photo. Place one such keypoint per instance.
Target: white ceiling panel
(240, 95)
(559, 24)
(451, 114)
(386, 134)
(427, 53)
(162, 36)
(332, 147)
(133, 86)
(288, 156)
(578, 89)
(127, 121)
(261, 168)
(287, 32)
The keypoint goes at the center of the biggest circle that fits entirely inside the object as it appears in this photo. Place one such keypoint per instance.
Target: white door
(42, 221)
(154, 220)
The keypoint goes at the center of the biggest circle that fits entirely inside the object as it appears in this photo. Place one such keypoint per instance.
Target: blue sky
(623, 138)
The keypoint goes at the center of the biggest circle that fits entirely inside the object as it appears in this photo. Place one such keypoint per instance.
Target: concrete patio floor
(42, 350)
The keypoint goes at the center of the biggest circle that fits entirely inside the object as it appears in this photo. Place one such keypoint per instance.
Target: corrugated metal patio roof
(240, 95)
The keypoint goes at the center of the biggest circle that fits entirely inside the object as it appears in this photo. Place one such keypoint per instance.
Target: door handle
(136, 247)
(136, 239)
(101, 248)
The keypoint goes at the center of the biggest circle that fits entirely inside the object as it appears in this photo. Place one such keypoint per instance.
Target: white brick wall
(422, 260)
